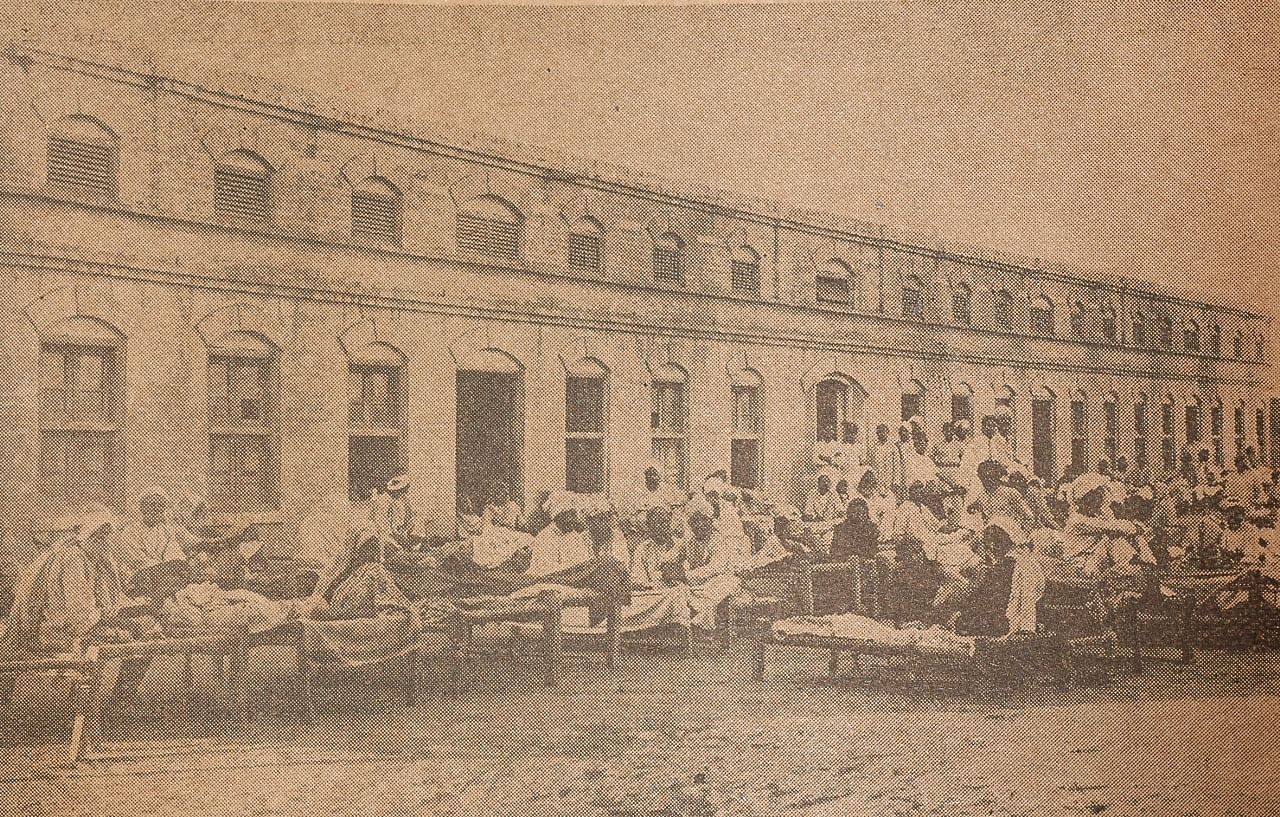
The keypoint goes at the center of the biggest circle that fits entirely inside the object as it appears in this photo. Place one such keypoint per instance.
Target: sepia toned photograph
(671, 410)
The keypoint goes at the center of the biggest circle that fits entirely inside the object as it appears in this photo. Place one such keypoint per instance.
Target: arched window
(1195, 421)
(838, 401)
(1140, 329)
(962, 304)
(1043, 452)
(1216, 423)
(912, 399)
(488, 225)
(1079, 432)
(1140, 433)
(832, 284)
(1165, 335)
(81, 403)
(1238, 429)
(1237, 346)
(669, 423)
(83, 158)
(668, 259)
(1262, 348)
(744, 271)
(585, 246)
(376, 375)
(1191, 337)
(1110, 428)
(242, 186)
(912, 297)
(1215, 340)
(1168, 445)
(746, 425)
(1042, 316)
(375, 210)
(1110, 327)
(244, 399)
(962, 402)
(1003, 312)
(586, 400)
(1077, 320)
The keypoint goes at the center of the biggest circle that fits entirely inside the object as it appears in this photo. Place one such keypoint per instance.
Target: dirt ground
(665, 735)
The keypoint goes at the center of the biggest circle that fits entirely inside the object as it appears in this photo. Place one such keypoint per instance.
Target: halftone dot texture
(181, 280)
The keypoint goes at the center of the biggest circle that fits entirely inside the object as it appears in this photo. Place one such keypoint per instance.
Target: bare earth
(670, 736)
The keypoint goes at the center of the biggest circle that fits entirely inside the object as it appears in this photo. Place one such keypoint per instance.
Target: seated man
(560, 545)
(154, 538)
(71, 593)
(503, 510)
(709, 565)
(821, 511)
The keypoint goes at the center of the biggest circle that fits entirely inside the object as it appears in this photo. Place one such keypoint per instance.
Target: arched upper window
(1215, 340)
(1237, 345)
(1003, 310)
(1140, 329)
(1042, 316)
(962, 304)
(375, 210)
(1191, 336)
(1262, 347)
(912, 297)
(81, 403)
(833, 284)
(1165, 333)
(744, 270)
(83, 157)
(668, 259)
(1110, 327)
(585, 246)
(1077, 320)
(242, 186)
(490, 226)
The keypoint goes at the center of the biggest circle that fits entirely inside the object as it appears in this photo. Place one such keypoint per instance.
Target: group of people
(960, 533)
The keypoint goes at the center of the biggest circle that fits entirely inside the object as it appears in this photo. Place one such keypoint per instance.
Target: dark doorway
(1042, 440)
(372, 461)
(490, 433)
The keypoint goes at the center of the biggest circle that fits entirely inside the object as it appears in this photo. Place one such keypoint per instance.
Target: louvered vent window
(375, 215)
(488, 236)
(667, 267)
(831, 290)
(584, 251)
(242, 190)
(82, 167)
(745, 276)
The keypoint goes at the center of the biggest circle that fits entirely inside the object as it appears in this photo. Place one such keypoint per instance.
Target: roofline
(26, 56)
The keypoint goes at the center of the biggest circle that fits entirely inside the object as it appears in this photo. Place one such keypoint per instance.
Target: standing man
(886, 461)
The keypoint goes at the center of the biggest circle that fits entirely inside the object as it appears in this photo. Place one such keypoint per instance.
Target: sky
(1139, 137)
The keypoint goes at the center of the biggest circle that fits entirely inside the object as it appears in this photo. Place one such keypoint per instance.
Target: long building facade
(263, 303)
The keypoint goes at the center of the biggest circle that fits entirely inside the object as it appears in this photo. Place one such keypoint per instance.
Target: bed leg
(553, 641)
(614, 635)
(96, 713)
(757, 662)
(1135, 632)
(459, 638)
(833, 665)
(1188, 630)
